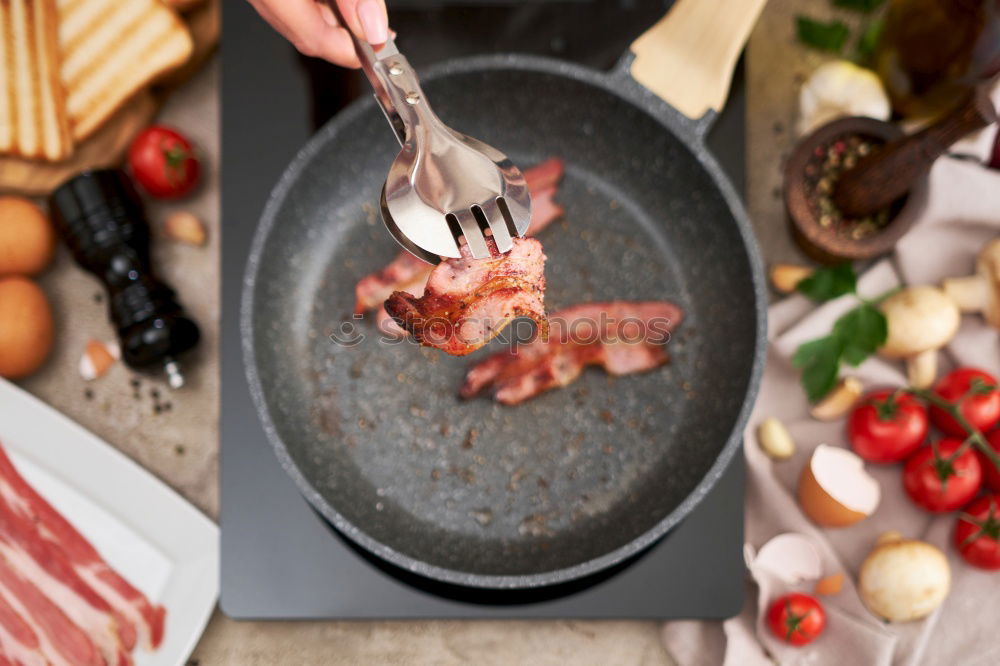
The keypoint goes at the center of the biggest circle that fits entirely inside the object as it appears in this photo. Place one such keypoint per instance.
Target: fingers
(367, 19)
(311, 28)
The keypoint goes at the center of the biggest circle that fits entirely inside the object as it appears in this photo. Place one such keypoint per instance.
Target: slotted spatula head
(445, 189)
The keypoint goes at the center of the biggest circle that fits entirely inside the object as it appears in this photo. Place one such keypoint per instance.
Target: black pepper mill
(101, 218)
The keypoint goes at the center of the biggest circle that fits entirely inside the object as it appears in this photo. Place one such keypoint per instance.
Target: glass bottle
(931, 52)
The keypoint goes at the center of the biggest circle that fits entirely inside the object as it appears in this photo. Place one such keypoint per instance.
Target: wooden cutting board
(776, 65)
(108, 145)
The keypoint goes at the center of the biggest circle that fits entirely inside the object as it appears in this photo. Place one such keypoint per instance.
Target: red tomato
(991, 475)
(887, 426)
(977, 533)
(796, 618)
(163, 161)
(978, 395)
(943, 476)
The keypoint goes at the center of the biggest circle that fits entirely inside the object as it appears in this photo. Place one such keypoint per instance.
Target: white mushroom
(921, 320)
(980, 292)
(903, 579)
(841, 88)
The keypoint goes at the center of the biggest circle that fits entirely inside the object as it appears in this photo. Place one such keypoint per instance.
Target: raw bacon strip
(47, 567)
(18, 643)
(409, 274)
(469, 301)
(127, 602)
(622, 337)
(59, 640)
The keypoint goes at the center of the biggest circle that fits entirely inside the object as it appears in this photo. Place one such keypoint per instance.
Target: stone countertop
(179, 441)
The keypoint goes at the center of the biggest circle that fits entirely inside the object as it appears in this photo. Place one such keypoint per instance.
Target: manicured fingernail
(373, 22)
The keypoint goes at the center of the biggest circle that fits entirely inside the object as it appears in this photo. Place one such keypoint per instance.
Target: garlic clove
(786, 277)
(841, 88)
(774, 439)
(839, 401)
(185, 227)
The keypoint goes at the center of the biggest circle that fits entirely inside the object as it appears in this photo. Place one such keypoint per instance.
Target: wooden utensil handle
(687, 58)
(887, 174)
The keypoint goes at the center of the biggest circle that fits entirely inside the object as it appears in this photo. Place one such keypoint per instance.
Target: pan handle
(687, 58)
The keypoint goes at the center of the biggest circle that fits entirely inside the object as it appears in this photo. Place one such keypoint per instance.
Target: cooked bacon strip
(409, 274)
(469, 301)
(544, 211)
(622, 337)
(544, 175)
(46, 566)
(404, 272)
(128, 603)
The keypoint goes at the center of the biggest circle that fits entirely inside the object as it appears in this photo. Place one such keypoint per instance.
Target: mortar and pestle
(847, 183)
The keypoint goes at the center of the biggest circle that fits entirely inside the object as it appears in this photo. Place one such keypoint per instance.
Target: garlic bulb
(840, 88)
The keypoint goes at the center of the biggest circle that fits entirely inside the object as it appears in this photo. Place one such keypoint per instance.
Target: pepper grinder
(100, 217)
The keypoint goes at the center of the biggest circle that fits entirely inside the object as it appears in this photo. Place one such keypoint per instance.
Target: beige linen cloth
(960, 213)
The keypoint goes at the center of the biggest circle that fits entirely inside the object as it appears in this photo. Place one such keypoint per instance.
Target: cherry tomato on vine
(943, 476)
(796, 618)
(978, 397)
(887, 426)
(163, 162)
(991, 475)
(977, 533)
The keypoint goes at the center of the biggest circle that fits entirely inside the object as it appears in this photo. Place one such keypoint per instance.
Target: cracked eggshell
(98, 358)
(835, 490)
(790, 556)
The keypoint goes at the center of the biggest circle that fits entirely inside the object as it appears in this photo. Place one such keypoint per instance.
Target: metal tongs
(443, 187)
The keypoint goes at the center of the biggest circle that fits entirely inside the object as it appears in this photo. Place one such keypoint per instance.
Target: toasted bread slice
(33, 118)
(110, 50)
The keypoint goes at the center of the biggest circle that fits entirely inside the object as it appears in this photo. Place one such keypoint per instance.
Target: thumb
(367, 19)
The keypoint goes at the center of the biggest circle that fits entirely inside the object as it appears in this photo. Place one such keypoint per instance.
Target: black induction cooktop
(280, 559)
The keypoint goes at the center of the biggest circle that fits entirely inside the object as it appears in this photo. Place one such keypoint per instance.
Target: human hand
(310, 25)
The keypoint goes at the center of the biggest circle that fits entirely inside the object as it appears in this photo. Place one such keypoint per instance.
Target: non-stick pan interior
(374, 432)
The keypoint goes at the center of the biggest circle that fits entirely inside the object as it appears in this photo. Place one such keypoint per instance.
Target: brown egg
(25, 327)
(27, 240)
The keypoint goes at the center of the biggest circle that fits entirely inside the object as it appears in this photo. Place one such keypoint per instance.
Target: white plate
(148, 533)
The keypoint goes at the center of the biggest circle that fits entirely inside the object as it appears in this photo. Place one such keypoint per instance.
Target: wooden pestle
(889, 172)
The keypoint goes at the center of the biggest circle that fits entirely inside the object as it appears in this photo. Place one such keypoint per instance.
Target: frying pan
(578, 479)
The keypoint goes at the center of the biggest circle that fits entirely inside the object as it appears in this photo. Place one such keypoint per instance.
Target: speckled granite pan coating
(569, 483)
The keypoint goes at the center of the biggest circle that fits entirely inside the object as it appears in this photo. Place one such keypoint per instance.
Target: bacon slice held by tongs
(409, 274)
(468, 301)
